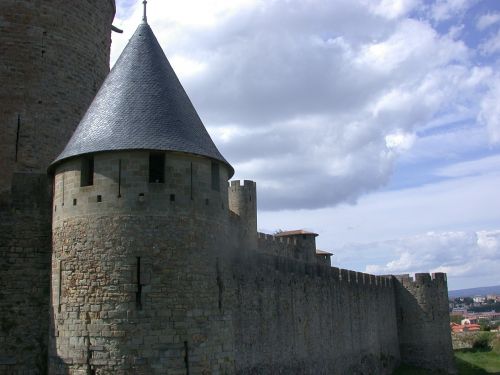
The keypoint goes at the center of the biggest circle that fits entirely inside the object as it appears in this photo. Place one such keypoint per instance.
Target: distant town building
(465, 327)
(479, 299)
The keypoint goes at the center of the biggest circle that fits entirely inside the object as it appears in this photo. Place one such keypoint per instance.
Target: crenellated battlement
(361, 278)
(289, 247)
(247, 184)
(273, 239)
(120, 184)
(423, 279)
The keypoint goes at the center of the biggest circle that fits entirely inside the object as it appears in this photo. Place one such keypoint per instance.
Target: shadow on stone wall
(423, 323)
(25, 250)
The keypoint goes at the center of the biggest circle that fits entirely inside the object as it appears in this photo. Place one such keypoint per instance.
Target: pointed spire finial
(145, 17)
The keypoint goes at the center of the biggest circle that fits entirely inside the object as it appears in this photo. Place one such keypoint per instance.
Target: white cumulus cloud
(490, 110)
(315, 100)
(462, 255)
(488, 20)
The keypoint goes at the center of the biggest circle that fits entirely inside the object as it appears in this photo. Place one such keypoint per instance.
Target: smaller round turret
(243, 202)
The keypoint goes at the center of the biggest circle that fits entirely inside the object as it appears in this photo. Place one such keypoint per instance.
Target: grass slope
(484, 360)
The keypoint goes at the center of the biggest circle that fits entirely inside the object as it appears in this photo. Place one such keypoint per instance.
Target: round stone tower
(140, 220)
(55, 55)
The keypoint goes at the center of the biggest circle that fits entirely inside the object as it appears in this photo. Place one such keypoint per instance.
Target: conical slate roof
(142, 105)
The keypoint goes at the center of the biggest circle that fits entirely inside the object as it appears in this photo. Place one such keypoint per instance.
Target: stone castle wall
(137, 278)
(291, 317)
(149, 278)
(55, 55)
(24, 276)
(145, 283)
(424, 321)
(243, 203)
(295, 247)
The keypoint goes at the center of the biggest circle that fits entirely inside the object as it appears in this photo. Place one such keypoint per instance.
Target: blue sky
(374, 123)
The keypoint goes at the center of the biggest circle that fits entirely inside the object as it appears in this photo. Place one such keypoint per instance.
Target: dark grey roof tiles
(141, 105)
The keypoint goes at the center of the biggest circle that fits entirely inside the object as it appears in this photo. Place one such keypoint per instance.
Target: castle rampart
(423, 320)
(157, 266)
(55, 55)
(311, 319)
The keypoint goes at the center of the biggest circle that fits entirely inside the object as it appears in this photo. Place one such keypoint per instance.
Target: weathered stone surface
(155, 278)
(54, 56)
(423, 321)
(210, 298)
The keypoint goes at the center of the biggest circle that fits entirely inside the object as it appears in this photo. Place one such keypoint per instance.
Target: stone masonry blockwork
(112, 274)
(54, 57)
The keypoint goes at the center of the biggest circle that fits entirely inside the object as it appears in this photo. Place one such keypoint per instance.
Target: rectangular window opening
(172, 197)
(215, 176)
(87, 171)
(157, 167)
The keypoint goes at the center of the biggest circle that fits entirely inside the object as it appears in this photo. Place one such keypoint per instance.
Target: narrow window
(17, 133)
(62, 190)
(138, 294)
(87, 171)
(220, 285)
(191, 180)
(186, 357)
(59, 287)
(215, 176)
(119, 178)
(157, 167)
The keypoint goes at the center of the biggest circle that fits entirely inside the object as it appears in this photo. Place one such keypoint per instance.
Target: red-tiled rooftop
(321, 252)
(295, 233)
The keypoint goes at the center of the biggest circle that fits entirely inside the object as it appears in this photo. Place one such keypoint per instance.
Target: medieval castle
(133, 254)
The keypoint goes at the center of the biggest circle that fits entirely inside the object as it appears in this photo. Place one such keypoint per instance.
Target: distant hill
(474, 291)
